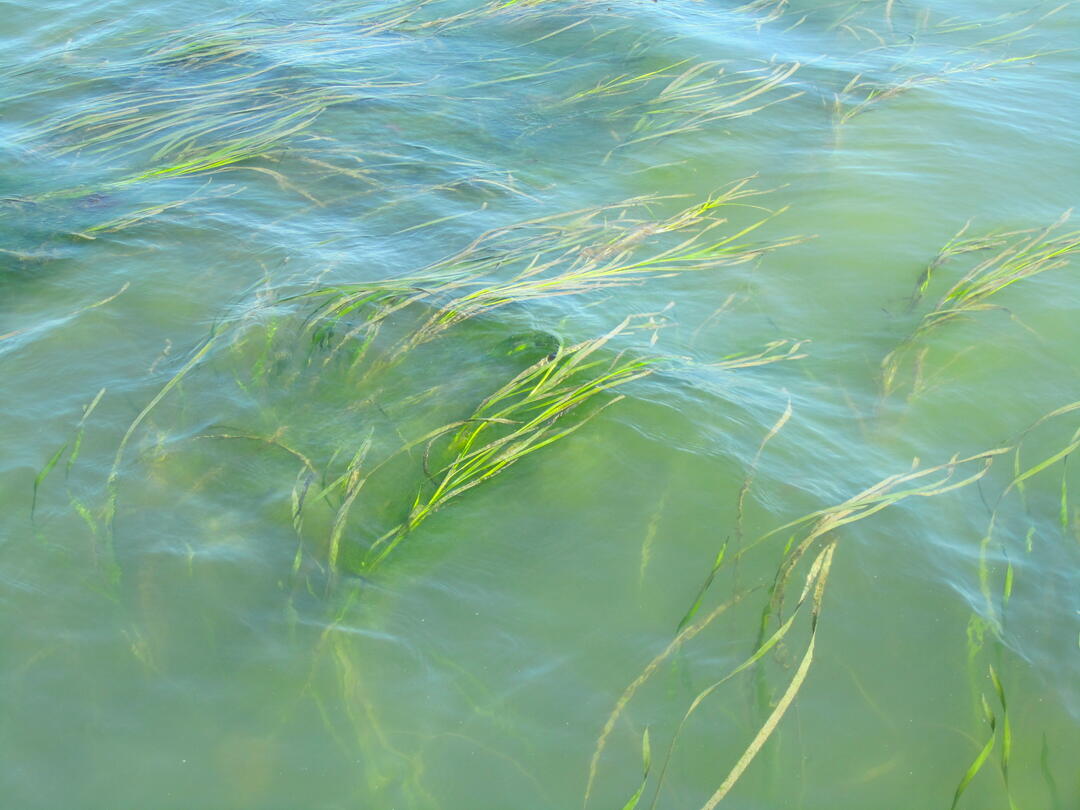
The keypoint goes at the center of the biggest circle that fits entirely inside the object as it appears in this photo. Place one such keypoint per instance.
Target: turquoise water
(421, 405)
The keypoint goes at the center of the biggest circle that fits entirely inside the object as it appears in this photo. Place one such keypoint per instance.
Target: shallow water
(201, 465)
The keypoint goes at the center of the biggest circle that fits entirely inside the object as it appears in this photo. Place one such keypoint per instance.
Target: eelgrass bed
(464, 332)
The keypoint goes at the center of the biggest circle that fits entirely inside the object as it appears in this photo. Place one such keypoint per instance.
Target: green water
(269, 539)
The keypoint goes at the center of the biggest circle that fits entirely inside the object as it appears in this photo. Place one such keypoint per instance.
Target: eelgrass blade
(1006, 734)
(355, 483)
(1017, 483)
(650, 669)
(112, 482)
(73, 314)
(646, 765)
(767, 729)
(818, 571)
(980, 758)
(693, 609)
(75, 444)
(42, 475)
(785, 701)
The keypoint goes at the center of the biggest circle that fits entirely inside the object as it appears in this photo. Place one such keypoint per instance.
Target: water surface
(273, 538)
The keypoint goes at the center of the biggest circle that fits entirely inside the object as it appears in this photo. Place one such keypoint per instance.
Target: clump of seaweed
(220, 98)
(861, 94)
(704, 94)
(924, 51)
(1022, 255)
(566, 254)
(196, 129)
(528, 413)
(682, 98)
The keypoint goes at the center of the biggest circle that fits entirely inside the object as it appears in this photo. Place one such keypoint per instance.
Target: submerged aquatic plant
(566, 254)
(685, 96)
(987, 642)
(765, 11)
(1022, 255)
(533, 410)
(66, 317)
(821, 541)
(703, 94)
(861, 94)
(926, 51)
(996, 599)
(185, 134)
(153, 211)
(218, 98)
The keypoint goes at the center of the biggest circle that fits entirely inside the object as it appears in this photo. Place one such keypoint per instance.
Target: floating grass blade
(76, 444)
(774, 352)
(1048, 774)
(112, 483)
(149, 212)
(1006, 734)
(353, 485)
